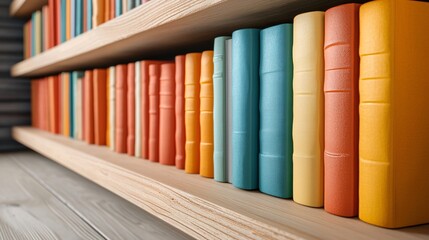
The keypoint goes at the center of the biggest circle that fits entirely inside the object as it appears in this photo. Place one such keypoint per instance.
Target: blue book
(79, 17)
(219, 109)
(89, 15)
(73, 18)
(245, 108)
(276, 111)
(73, 89)
(118, 8)
(63, 20)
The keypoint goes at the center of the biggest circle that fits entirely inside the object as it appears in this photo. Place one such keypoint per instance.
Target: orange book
(112, 9)
(108, 107)
(68, 19)
(100, 108)
(54, 101)
(342, 109)
(206, 115)
(154, 74)
(46, 28)
(167, 122)
(88, 102)
(131, 108)
(121, 109)
(52, 22)
(180, 112)
(107, 10)
(192, 112)
(65, 79)
(98, 12)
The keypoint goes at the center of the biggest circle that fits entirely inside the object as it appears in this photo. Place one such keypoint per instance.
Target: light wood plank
(24, 8)
(29, 211)
(201, 207)
(105, 211)
(163, 28)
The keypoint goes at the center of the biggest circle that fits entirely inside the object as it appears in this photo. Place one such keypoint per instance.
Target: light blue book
(89, 15)
(118, 8)
(63, 21)
(219, 109)
(137, 3)
(228, 100)
(79, 17)
(276, 111)
(245, 108)
(73, 18)
(131, 4)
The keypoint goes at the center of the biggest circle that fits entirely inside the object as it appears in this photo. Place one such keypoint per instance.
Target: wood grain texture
(113, 217)
(201, 207)
(24, 8)
(29, 211)
(163, 28)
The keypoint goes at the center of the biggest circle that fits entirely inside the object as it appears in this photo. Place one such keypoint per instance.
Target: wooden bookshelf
(202, 207)
(163, 28)
(24, 8)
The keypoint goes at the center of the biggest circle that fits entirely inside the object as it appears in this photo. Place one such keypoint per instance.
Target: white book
(138, 136)
(228, 125)
(112, 106)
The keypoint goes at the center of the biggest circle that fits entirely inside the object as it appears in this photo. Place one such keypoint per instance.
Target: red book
(154, 74)
(88, 134)
(180, 112)
(342, 109)
(100, 106)
(52, 23)
(121, 109)
(167, 151)
(58, 23)
(54, 101)
(131, 108)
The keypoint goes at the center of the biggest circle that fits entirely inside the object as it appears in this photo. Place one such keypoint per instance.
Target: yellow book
(308, 109)
(206, 115)
(394, 115)
(192, 112)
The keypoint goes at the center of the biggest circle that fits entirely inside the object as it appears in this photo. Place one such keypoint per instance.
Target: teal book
(276, 109)
(79, 17)
(137, 3)
(245, 108)
(219, 109)
(73, 18)
(63, 20)
(228, 126)
(131, 4)
(118, 8)
(89, 14)
(73, 90)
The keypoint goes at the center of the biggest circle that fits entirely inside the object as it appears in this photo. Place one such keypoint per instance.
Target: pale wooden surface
(163, 28)
(24, 8)
(199, 206)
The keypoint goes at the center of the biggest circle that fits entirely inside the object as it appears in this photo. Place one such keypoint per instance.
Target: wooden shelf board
(161, 29)
(24, 8)
(201, 207)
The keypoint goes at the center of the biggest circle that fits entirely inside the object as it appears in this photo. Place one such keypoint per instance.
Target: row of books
(329, 110)
(62, 20)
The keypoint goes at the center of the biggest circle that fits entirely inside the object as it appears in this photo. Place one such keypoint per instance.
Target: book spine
(276, 109)
(73, 18)
(44, 116)
(79, 107)
(99, 106)
(53, 104)
(79, 17)
(180, 111)
(98, 13)
(167, 122)
(52, 23)
(206, 115)
(131, 78)
(108, 122)
(63, 22)
(245, 105)
(137, 115)
(68, 19)
(58, 16)
(85, 16)
(73, 99)
(89, 107)
(121, 109)
(46, 31)
(228, 100)
(107, 10)
(144, 67)
(34, 103)
(341, 109)
(112, 9)
(112, 105)
(66, 104)
(118, 8)
(153, 92)
(192, 108)
(38, 43)
(89, 12)
(308, 119)
(219, 109)
(376, 194)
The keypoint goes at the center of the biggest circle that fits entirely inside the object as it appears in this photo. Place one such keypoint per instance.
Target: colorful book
(219, 109)
(65, 79)
(44, 102)
(125, 6)
(54, 108)
(308, 109)
(52, 23)
(206, 115)
(121, 121)
(100, 111)
(108, 124)
(73, 18)
(228, 101)
(118, 8)
(107, 10)
(276, 109)
(245, 105)
(137, 115)
(85, 15)
(112, 9)
(167, 153)
(37, 28)
(79, 17)
(34, 104)
(180, 111)
(63, 21)
(68, 19)
(153, 92)
(73, 101)
(341, 109)
(394, 133)
(88, 87)
(45, 30)
(192, 112)
(78, 106)
(58, 16)
(98, 12)
(131, 4)
(112, 106)
(89, 12)
(131, 78)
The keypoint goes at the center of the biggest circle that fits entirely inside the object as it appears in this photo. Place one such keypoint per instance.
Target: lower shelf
(201, 207)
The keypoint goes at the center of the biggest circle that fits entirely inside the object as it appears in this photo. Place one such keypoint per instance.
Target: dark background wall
(14, 93)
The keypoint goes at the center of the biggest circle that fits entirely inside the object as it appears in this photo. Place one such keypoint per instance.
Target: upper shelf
(162, 28)
(24, 8)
